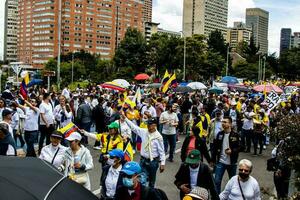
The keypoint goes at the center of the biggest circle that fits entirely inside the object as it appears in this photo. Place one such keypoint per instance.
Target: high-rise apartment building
(96, 26)
(239, 33)
(258, 20)
(10, 30)
(148, 11)
(285, 39)
(295, 40)
(204, 16)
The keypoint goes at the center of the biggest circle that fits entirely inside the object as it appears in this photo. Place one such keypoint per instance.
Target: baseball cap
(194, 157)
(199, 193)
(74, 136)
(151, 121)
(116, 153)
(6, 112)
(113, 125)
(131, 168)
(57, 135)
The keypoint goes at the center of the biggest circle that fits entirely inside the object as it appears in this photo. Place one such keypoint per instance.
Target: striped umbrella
(113, 86)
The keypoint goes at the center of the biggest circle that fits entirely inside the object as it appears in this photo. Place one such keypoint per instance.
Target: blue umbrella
(35, 82)
(229, 80)
(216, 90)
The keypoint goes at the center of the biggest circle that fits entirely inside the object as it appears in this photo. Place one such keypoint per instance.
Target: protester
(242, 186)
(62, 112)
(46, 121)
(169, 121)
(77, 161)
(225, 153)
(7, 143)
(247, 129)
(31, 127)
(111, 178)
(132, 189)
(54, 152)
(192, 173)
(152, 150)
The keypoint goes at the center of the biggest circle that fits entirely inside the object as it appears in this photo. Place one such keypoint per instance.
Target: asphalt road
(165, 180)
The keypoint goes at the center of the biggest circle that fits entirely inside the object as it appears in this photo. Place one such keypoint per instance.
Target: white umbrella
(121, 82)
(197, 86)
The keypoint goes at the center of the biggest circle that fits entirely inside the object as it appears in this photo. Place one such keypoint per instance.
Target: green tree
(216, 43)
(131, 52)
(289, 64)
(251, 51)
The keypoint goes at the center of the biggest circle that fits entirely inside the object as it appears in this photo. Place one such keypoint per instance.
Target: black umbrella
(33, 178)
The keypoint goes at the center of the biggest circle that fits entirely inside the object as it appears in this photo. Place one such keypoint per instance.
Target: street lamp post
(264, 69)
(184, 54)
(227, 61)
(59, 44)
(258, 78)
(72, 67)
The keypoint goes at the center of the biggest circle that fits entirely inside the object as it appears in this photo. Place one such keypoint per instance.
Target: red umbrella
(113, 86)
(141, 77)
(268, 88)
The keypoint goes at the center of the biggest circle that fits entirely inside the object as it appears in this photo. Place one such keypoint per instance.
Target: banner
(272, 100)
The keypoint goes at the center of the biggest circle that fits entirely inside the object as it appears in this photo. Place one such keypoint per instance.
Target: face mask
(110, 162)
(128, 182)
(243, 175)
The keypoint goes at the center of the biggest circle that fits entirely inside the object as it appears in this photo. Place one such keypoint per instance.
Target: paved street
(165, 180)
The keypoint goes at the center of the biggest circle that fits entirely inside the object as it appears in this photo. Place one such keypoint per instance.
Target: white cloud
(237, 10)
(169, 14)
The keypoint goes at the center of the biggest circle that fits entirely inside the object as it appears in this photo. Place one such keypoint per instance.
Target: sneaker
(178, 141)
(265, 147)
(97, 147)
(133, 151)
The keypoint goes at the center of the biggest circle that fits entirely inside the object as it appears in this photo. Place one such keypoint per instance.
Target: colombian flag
(24, 83)
(68, 129)
(169, 83)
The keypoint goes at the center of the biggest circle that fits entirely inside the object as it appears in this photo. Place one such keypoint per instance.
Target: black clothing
(205, 179)
(234, 145)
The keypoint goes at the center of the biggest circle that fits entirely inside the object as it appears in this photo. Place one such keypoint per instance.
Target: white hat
(74, 136)
(233, 103)
(199, 193)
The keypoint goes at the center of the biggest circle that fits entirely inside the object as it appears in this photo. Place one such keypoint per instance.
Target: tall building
(204, 16)
(148, 11)
(96, 26)
(11, 30)
(285, 39)
(295, 40)
(258, 20)
(239, 33)
(152, 28)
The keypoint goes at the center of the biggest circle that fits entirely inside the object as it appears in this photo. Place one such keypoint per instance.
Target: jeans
(170, 140)
(86, 127)
(258, 138)
(219, 172)
(246, 139)
(45, 133)
(16, 136)
(150, 169)
(31, 138)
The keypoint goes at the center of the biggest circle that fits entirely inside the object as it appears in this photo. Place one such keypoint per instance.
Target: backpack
(155, 192)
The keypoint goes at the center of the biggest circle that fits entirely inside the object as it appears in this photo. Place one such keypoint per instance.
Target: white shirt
(15, 120)
(151, 110)
(66, 93)
(125, 130)
(31, 120)
(49, 151)
(46, 108)
(168, 128)
(157, 145)
(194, 176)
(218, 127)
(58, 116)
(248, 123)
(232, 190)
(225, 159)
(112, 180)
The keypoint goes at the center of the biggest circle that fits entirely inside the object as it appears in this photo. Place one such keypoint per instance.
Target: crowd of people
(215, 127)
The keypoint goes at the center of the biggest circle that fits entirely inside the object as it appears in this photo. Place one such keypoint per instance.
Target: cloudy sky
(283, 13)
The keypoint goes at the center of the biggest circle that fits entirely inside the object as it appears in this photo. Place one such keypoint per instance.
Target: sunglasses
(244, 170)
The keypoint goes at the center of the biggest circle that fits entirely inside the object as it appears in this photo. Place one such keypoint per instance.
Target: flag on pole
(138, 96)
(168, 83)
(68, 129)
(128, 152)
(165, 78)
(24, 83)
